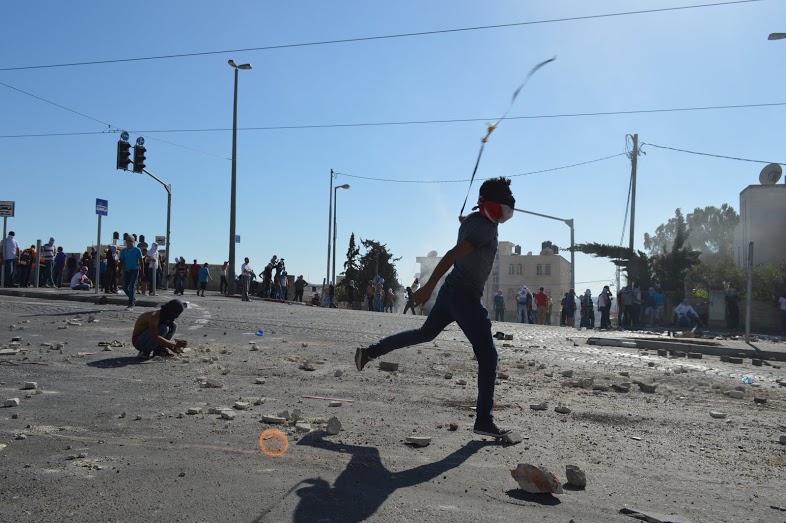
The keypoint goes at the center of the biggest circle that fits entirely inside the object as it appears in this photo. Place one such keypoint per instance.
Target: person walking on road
(131, 262)
(48, 255)
(542, 303)
(194, 272)
(246, 272)
(499, 306)
(224, 285)
(10, 258)
(459, 297)
(204, 278)
(410, 302)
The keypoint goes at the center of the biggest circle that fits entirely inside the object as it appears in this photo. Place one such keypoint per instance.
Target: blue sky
(689, 58)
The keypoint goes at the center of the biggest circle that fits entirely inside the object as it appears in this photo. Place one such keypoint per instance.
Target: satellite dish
(770, 174)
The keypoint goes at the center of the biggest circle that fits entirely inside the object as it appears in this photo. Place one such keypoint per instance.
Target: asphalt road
(106, 437)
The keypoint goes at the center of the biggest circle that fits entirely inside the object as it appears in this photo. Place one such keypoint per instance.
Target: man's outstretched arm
(424, 293)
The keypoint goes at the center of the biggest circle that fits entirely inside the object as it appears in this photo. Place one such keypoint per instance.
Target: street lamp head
(345, 186)
(776, 36)
(244, 66)
(232, 63)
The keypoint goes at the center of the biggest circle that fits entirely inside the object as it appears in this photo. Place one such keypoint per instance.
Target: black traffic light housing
(139, 158)
(123, 154)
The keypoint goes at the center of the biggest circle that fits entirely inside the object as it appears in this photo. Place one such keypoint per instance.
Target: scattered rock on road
(539, 406)
(30, 385)
(419, 441)
(575, 476)
(717, 415)
(194, 410)
(11, 402)
(561, 409)
(333, 426)
(536, 480)
(388, 366)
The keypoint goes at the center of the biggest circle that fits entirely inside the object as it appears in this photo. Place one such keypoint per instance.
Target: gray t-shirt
(470, 272)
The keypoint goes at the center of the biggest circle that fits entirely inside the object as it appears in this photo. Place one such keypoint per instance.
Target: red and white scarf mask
(496, 212)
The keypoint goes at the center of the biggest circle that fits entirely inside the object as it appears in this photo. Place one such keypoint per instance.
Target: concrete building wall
(510, 271)
(762, 221)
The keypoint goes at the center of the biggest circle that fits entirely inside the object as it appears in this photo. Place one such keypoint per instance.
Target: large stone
(30, 385)
(303, 427)
(561, 409)
(621, 387)
(646, 388)
(782, 439)
(211, 383)
(228, 414)
(276, 420)
(539, 406)
(736, 394)
(695, 355)
(575, 476)
(194, 410)
(567, 373)
(335, 404)
(536, 480)
(586, 383)
(388, 366)
(11, 402)
(241, 405)
(419, 441)
(737, 361)
(333, 426)
(513, 437)
(717, 415)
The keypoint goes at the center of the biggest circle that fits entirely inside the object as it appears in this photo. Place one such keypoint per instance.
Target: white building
(763, 222)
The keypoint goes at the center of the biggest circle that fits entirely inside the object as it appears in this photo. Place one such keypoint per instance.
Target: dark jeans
(473, 318)
(110, 281)
(180, 283)
(146, 343)
(48, 275)
(499, 314)
(409, 305)
(605, 322)
(24, 275)
(222, 288)
(58, 277)
(783, 321)
(635, 314)
(9, 266)
(151, 281)
(299, 295)
(129, 285)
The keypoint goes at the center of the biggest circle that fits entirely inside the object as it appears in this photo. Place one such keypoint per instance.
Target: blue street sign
(102, 207)
(237, 238)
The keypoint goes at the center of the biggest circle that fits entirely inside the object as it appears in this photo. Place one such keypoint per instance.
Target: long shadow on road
(114, 363)
(365, 484)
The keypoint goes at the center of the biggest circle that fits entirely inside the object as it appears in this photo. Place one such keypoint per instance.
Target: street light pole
(330, 224)
(232, 204)
(335, 226)
(168, 188)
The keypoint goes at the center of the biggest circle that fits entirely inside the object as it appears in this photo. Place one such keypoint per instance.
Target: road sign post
(102, 209)
(6, 211)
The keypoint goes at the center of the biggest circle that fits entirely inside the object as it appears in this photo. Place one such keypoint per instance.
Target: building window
(548, 268)
(495, 278)
(519, 269)
(510, 269)
(539, 269)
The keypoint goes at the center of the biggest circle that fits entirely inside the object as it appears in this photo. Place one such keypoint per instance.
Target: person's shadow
(114, 363)
(365, 483)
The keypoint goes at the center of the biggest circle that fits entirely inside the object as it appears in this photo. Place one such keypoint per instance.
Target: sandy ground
(107, 438)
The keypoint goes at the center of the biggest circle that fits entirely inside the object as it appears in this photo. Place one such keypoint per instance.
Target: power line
(378, 37)
(467, 180)
(709, 154)
(411, 122)
(110, 128)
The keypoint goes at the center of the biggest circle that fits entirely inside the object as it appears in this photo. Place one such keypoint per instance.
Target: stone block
(419, 441)
(388, 366)
(194, 410)
(536, 480)
(695, 355)
(11, 402)
(333, 426)
(575, 476)
(30, 385)
(736, 361)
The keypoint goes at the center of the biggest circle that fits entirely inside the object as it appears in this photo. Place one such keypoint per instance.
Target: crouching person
(154, 331)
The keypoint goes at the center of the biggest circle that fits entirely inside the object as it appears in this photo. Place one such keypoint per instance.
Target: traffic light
(139, 158)
(123, 154)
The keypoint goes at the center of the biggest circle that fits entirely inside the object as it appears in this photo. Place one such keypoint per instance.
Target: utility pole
(633, 164)
(330, 230)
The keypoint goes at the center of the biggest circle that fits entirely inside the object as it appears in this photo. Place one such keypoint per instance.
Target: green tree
(636, 265)
(351, 272)
(671, 266)
(377, 253)
(711, 231)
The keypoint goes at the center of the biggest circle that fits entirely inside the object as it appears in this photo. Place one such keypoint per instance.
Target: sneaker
(361, 358)
(144, 356)
(162, 353)
(488, 428)
(130, 308)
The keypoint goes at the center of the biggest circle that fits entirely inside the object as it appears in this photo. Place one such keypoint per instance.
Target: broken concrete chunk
(539, 406)
(194, 410)
(567, 373)
(259, 381)
(388, 366)
(303, 427)
(736, 394)
(11, 402)
(646, 388)
(213, 384)
(337, 374)
(241, 405)
(652, 517)
(307, 366)
(536, 480)
(561, 409)
(333, 426)
(576, 477)
(717, 415)
(30, 385)
(419, 441)
(228, 414)
(276, 420)
(335, 404)
(513, 437)
(284, 414)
